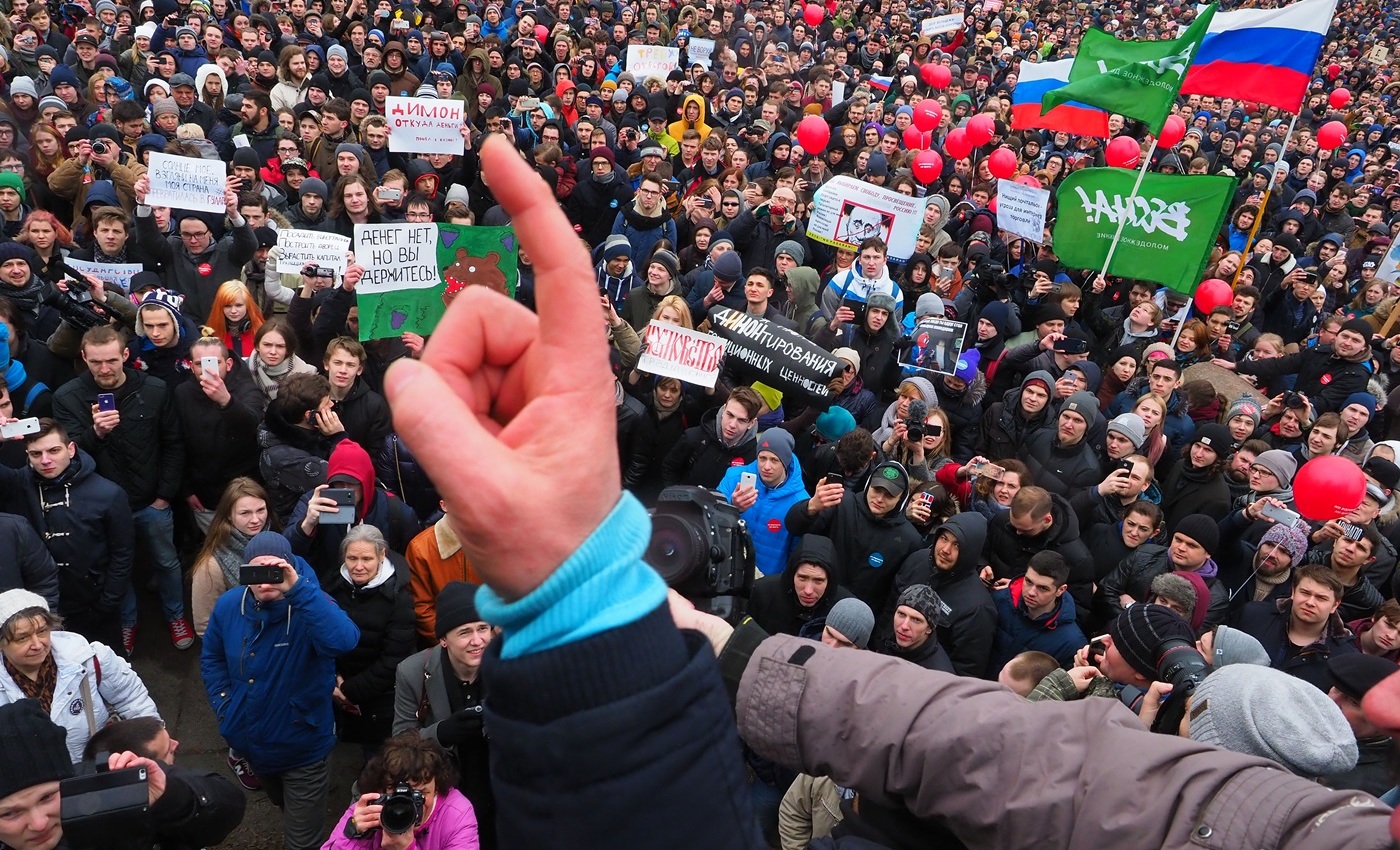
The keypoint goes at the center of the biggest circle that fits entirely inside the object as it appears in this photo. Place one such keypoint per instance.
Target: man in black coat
(220, 412)
(1327, 374)
(594, 203)
(1303, 632)
(802, 593)
(725, 437)
(949, 567)
(1192, 544)
(1039, 520)
(1062, 460)
(363, 412)
(24, 562)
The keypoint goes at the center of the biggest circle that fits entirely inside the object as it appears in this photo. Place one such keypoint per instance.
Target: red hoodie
(349, 458)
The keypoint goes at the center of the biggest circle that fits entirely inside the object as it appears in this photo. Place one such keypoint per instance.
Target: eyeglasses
(191, 236)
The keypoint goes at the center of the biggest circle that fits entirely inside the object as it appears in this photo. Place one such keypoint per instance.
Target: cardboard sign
(941, 24)
(648, 60)
(700, 51)
(424, 125)
(116, 274)
(675, 352)
(297, 249)
(186, 183)
(937, 345)
(846, 211)
(1021, 209)
(779, 357)
(396, 257)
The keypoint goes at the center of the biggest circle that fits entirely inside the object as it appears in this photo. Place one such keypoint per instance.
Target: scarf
(230, 556)
(99, 257)
(268, 377)
(26, 297)
(606, 178)
(665, 410)
(1264, 585)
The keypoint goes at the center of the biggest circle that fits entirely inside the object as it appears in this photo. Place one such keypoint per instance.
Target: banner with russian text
(781, 358)
(675, 352)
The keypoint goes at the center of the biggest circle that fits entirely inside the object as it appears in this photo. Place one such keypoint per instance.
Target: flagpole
(1264, 204)
(1123, 219)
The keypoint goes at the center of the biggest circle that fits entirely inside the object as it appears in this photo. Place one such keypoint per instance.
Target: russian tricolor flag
(1263, 55)
(1034, 81)
(878, 82)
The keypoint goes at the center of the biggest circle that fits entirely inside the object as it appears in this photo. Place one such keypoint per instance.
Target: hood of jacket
(970, 530)
(816, 550)
(943, 207)
(350, 459)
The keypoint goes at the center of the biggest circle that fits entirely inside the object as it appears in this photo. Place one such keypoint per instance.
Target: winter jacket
(1189, 490)
(868, 547)
(198, 277)
(292, 460)
(879, 356)
(593, 206)
(1010, 551)
(772, 542)
(269, 670)
(641, 303)
(795, 701)
(378, 507)
(1055, 633)
(365, 415)
(701, 458)
(811, 809)
(94, 686)
(85, 523)
(643, 231)
(451, 826)
(757, 241)
(968, 607)
(773, 601)
(964, 411)
(1061, 469)
(382, 610)
(24, 562)
(225, 440)
(145, 454)
(1135, 574)
(1268, 622)
(434, 558)
(1326, 378)
(1005, 430)
(929, 655)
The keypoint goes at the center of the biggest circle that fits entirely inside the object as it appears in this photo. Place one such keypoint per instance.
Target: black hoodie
(773, 602)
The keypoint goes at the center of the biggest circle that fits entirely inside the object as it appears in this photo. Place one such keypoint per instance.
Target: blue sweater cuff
(602, 586)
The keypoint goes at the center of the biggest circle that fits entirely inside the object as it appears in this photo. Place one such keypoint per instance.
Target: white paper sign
(674, 352)
(700, 51)
(117, 274)
(838, 91)
(646, 60)
(846, 210)
(1021, 209)
(1389, 270)
(941, 24)
(396, 257)
(297, 249)
(186, 183)
(424, 125)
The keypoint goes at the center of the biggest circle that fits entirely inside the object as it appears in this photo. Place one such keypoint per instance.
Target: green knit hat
(11, 180)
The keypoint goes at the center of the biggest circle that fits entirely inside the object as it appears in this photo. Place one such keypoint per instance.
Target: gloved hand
(461, 727)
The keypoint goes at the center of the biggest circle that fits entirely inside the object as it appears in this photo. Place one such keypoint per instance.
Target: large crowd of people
(1075, 493)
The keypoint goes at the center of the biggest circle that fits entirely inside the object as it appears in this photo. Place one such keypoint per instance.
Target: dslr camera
(1181, 665)
(701, 547)
(403, 808)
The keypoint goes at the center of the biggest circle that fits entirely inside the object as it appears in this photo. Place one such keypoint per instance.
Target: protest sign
(645, 60)
(675, 352)
(699, 51)
(413, 271)
(846, 211)
(186, 183)
(116, 274)
(838, 91)
(1389, 270)
(779, 357)
(941, 24)
(424, 125)
(297, 249)
(1021, 209)
(937, 345)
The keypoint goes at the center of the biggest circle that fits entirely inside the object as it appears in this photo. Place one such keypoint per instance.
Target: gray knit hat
(1232, 646)
(1282, 464)
(1263, 712)
(1131, 426)
(852, 618)
(1244, 406)
(793, 249)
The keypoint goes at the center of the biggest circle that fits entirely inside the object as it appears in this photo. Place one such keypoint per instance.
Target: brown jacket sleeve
(65, 180)
(947, 747)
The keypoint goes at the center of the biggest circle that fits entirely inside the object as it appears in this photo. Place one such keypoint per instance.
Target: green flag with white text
(1169, 227)
(1138, 79)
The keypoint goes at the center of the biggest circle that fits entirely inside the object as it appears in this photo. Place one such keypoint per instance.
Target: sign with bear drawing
(414, 270)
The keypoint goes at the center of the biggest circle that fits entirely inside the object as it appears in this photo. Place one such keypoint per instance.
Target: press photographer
(409, 805)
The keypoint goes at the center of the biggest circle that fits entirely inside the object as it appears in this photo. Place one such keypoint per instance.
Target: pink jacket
(451, 826)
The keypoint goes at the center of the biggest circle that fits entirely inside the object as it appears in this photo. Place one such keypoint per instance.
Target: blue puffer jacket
(772, 543)
(1055, 633)
(269, 670)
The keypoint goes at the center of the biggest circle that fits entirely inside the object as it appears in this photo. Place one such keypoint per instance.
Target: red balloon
(813, 133)
(927, 166)
(914, 140)
(1334, 71)
(813, 14)
(1328, 487)
(992, 205)
(1339, 98)
(1123, 152)
(957, 144)
(1211, 294)
(1331, 135)
(1029, 180)
(980, 129)
(1002, 163)
(936, 76)
(1173, 131)
(927, 114)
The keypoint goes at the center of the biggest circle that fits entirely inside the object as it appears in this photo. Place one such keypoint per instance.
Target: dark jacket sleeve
(399, 643)
(121, 548)
(36, 565)
(1271, 367)
(243, 245)
(678, 460)
(299, 317)
(197, 809)
(1114, 585)
(799, 521)
(330, 319)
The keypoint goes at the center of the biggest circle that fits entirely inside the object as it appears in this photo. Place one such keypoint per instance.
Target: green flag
(413, 271)
(1170, 225)
(1138, 79)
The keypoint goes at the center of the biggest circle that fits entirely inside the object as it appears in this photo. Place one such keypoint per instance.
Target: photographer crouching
(46, 801)
(413, 801)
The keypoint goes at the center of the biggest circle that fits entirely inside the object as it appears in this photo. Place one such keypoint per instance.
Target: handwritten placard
(297, 249)
(186, 183)
(424, 125)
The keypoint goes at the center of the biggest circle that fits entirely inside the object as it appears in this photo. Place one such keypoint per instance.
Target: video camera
(701, 547)
(77, 307)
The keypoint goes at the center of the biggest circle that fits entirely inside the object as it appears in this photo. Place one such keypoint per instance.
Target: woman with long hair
(49, 239)
(1152, 410)
(241, 513)
(235, 318)
(274, 356)
(1193, 343)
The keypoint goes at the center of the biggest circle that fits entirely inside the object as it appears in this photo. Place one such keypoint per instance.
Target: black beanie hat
(1201, 529)
(1139, 632)
(33, 749)
(1360, 327)
(456, 606)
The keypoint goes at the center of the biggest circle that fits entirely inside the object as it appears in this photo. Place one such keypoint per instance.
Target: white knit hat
(14, 601)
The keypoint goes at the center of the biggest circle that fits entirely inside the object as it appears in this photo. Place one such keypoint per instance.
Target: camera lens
(99, 147)
(678, 548)
(399, 813)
